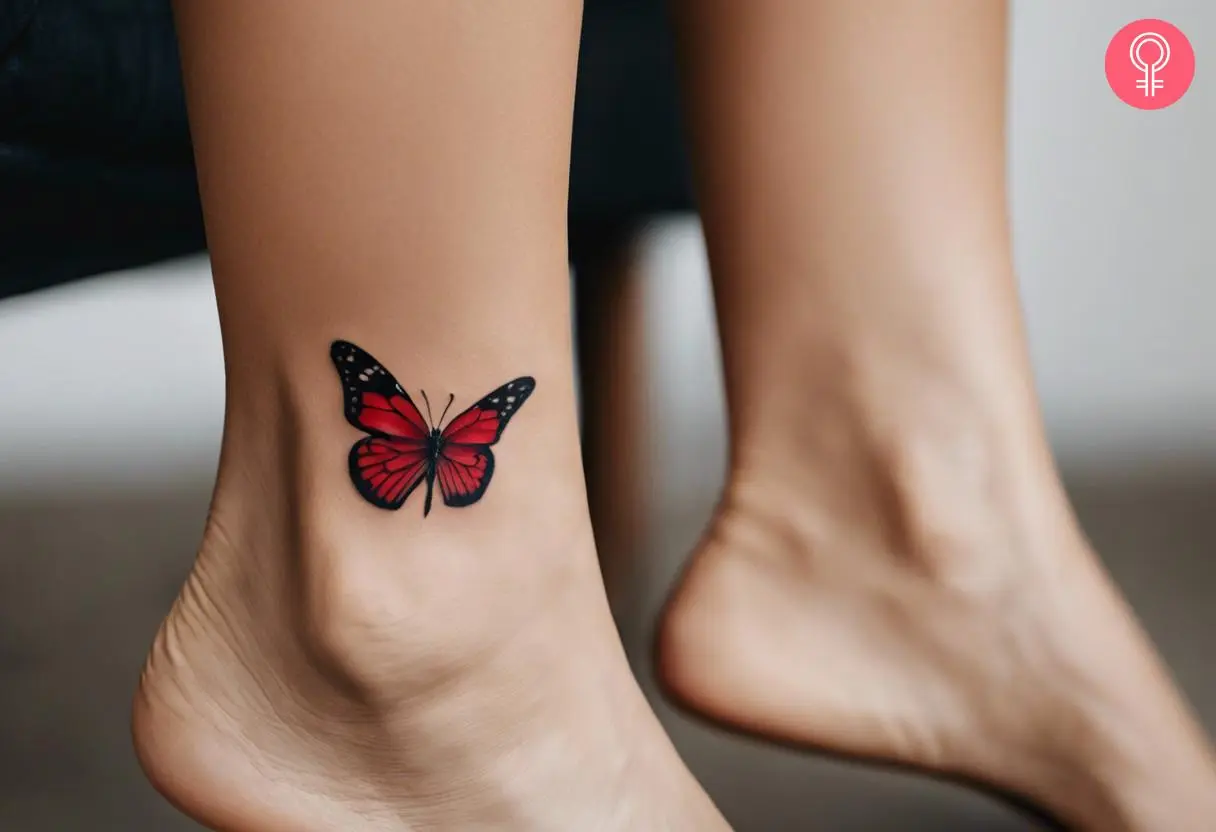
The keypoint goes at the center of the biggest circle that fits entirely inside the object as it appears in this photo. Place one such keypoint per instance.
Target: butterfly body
(434, 452)
(404, 450)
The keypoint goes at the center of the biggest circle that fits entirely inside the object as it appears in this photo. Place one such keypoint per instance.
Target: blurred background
(111, 391)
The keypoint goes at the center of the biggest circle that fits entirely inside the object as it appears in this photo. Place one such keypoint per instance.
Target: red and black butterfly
(403, 450)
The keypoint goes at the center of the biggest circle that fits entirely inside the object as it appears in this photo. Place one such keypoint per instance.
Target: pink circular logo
(1150, 64)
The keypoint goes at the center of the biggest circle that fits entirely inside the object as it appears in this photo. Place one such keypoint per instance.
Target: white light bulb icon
(1150, 83)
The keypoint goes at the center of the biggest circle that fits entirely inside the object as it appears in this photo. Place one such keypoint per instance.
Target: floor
(84, 578)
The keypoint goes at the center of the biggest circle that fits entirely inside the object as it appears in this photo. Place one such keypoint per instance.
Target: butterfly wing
(484, 422)
(388, 465)
(373, 400)
(386, 471)
(465, 463)
(463, 473)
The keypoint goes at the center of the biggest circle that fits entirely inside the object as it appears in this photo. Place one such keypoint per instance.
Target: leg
(894, 570)
(395, 176)
(610, 349)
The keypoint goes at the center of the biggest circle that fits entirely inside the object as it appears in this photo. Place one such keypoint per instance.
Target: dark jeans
(95, 163)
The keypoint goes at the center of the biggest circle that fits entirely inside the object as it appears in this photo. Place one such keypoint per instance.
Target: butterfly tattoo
(402, 450)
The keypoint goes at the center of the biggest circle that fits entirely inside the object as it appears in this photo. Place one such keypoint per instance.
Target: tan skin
(397, 177)
(894, 570)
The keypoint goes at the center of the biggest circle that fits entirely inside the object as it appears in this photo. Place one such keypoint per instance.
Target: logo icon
(1150, 83)
(1150, 64)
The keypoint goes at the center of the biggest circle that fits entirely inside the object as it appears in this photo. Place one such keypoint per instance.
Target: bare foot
(936, 631)
(329, 666)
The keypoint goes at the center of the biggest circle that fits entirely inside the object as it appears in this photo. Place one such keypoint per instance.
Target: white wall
(111, 383)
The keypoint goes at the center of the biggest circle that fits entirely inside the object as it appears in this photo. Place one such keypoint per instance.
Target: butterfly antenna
(427, 402)
(451, 398)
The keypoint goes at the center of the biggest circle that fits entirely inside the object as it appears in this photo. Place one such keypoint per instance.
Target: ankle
(355, 587)
(354, 581)
(938, 482)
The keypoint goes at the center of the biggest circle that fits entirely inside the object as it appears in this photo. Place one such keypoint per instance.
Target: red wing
(386, 470)
(484, 422)
(373, 400)
(463, 472)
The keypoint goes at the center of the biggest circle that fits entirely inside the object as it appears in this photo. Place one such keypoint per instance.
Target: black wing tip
(339, 350)
(529, 387)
